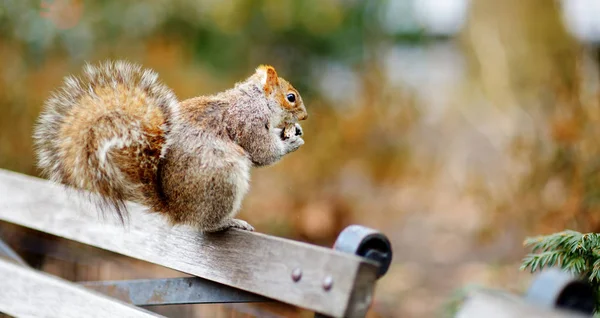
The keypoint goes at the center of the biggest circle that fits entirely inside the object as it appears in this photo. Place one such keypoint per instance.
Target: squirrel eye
(291, 97)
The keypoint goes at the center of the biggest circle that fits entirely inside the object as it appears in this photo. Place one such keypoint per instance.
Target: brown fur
(117, 131)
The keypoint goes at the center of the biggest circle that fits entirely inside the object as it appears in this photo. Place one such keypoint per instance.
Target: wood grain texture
(29, 293)
(490, 304)
(246, 260)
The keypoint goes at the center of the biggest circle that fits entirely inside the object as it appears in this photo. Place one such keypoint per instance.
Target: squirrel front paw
(291, 130)
(293, 143)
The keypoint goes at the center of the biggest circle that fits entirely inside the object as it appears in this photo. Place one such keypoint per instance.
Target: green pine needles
(569, 250)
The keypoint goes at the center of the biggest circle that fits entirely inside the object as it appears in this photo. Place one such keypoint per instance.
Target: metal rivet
(327, 283)
(296, 274)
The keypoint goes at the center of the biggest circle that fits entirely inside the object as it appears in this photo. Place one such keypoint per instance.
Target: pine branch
(566, 240)
(570, 250)
(539, 261)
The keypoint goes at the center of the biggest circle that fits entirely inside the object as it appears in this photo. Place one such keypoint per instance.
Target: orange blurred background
(456, 127)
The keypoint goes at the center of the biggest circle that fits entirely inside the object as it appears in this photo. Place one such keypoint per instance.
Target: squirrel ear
(268, 77)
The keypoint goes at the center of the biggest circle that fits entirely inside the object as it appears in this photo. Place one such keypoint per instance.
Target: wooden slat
(26, 292)
(490, 304)
(249, 261)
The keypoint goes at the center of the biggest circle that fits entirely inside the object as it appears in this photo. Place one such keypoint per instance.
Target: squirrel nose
(303, 116)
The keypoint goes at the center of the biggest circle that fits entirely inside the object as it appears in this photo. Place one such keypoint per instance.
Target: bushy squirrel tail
(106, 132)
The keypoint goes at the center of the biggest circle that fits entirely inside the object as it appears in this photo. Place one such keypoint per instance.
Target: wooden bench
(552, 294)
(497, 304)
(231, 266)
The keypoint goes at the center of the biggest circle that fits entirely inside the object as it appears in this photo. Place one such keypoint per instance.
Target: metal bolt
(327, 283)
(296, 274)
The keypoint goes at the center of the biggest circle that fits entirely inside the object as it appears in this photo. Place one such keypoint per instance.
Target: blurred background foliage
(456, 127)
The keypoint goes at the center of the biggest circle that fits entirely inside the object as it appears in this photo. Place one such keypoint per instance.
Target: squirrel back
(106, 132)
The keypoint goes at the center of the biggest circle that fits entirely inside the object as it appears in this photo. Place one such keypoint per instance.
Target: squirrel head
(282, 93)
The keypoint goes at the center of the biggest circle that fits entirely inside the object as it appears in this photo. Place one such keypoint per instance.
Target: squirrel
(121, 133)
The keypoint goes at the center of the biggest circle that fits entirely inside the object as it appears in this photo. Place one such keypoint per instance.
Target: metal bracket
(555, 288)
(172, 291)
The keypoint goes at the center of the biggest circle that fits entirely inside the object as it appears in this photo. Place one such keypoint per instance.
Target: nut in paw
(291, 130)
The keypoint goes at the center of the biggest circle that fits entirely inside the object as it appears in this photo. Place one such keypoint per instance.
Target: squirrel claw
(299, 131)
(232, 223)
(240, 224)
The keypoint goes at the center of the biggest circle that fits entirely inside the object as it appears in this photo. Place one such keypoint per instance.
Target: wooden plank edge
(362, 293)
(30, 293)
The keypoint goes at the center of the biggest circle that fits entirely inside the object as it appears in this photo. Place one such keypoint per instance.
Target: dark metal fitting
(555, 288)
(368, 243)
